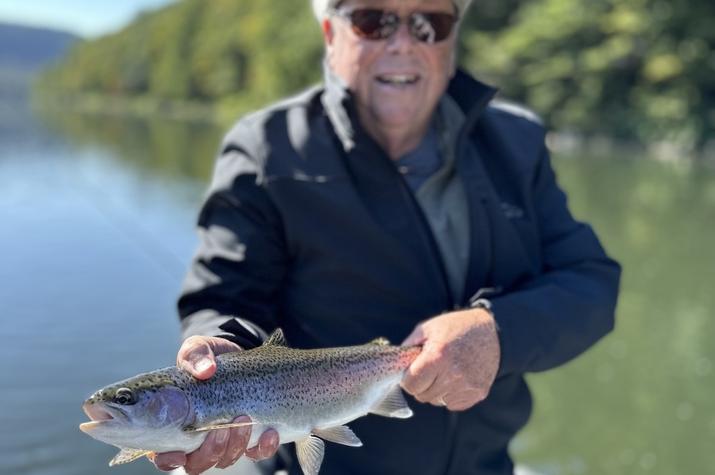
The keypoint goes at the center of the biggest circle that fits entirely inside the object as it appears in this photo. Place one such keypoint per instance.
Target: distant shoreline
(122, 106)
(224, 113)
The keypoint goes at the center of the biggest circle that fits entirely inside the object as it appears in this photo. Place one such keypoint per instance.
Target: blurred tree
(642, 69)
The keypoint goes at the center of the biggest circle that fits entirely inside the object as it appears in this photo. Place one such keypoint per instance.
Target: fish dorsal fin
(276, 339)
(339, 435)
(393, 405)
(218, 425)
(310, 453)
(128, 455)
(380, 341)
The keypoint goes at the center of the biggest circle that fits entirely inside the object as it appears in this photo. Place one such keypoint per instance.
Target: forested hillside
(642, 69)
(27, 48)
(23, 52)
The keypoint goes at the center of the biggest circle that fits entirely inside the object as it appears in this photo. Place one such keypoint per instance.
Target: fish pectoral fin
(339, 435)
(276, 339)
(310, 453)
(128, 455)
(393, 405)
(221, 425)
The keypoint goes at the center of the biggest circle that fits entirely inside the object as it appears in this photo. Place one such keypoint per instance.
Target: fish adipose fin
(276, 339)
(310, 453)
(380, 341)
(128, 455)
(223, 425)
(339, 435)
(394, 405)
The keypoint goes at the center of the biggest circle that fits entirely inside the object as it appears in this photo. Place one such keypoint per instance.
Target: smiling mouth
(398, 79)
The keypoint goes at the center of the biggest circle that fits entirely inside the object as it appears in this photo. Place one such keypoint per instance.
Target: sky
(88, 18)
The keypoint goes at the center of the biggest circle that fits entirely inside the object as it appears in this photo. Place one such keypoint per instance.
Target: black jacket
(309, 227)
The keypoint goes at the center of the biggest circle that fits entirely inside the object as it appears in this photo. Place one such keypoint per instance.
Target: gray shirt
(430, 171)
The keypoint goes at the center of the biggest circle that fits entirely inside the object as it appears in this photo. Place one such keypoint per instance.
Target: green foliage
(230, 53)
(641, 69)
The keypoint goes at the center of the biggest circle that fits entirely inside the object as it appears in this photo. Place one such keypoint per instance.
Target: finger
(208, 453)
(464, 400)
(421, 374)
(267, 446)
(237, 443)
(168, 461)
(197, 355)
(417, 337)
(435, 393)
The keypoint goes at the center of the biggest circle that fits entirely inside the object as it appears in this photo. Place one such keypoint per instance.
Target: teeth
(398, 79)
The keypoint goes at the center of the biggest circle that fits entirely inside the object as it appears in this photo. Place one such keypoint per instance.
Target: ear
(328, 33)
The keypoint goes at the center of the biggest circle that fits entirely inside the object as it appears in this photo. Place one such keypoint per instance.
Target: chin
(398, 122)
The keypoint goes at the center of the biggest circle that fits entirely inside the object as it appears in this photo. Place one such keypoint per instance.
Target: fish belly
(325, 414)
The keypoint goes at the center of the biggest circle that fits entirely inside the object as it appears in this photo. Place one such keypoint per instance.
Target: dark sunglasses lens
(372, 24)
(431, 27)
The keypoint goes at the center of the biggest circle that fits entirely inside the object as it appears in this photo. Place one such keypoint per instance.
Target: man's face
(399, 80)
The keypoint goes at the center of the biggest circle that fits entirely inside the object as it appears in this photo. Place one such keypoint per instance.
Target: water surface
(97, 227)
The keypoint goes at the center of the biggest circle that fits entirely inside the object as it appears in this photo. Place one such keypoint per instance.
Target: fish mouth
(100, 415)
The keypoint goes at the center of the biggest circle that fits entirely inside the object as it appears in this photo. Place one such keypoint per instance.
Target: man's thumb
(197, 357)
(417, 337)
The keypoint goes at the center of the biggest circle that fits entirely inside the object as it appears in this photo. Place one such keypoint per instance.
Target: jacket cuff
(513, 337)
(238, 330)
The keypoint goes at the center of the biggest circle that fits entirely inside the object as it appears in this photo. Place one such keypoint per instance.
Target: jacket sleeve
(230, 289)
(557, 315)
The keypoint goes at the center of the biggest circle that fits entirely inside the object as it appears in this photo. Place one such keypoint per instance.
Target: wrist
(484, 305)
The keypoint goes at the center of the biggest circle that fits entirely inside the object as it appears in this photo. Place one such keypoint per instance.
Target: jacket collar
(471, 96)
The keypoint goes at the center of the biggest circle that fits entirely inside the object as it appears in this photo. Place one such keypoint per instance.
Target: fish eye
(125, 397)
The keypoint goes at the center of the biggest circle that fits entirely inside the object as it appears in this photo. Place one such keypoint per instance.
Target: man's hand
(222, 448)
(459, 359)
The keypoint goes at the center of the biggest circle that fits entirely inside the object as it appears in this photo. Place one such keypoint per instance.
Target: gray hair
(321, 7)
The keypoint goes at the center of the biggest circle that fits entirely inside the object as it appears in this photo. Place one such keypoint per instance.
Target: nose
(401, 41)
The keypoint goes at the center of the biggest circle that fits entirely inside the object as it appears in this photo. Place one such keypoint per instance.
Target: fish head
(137, 412)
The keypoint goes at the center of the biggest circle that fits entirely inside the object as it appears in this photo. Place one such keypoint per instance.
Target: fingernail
(221, 436)
(201, 365)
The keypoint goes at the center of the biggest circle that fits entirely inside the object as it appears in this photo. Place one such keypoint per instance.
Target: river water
(97, 227)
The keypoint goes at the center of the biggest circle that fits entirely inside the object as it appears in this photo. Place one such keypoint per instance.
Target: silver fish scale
(274, 384)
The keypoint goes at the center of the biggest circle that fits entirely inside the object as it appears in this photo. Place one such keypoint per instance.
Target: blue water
(92, 253)
(97, 227)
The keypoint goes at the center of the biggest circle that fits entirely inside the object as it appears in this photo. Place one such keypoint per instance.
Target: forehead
(436, 5)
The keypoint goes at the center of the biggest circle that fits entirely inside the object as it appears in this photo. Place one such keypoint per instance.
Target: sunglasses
(375, 24)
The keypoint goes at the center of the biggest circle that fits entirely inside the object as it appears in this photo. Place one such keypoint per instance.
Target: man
(396, 201)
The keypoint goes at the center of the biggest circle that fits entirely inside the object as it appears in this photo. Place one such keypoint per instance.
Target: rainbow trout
(305, 395)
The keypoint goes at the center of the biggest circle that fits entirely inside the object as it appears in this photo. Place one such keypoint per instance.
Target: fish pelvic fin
(276, 339)
(128, 455)
(220, 425)
(310, 453)
(380, 341)
(393, 405)
(339, 435)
